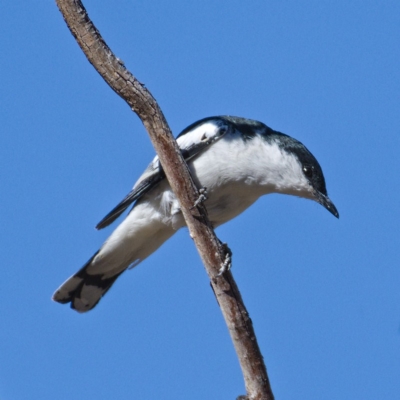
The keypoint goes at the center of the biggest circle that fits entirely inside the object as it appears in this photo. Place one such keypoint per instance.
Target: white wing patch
(202, 134)
(193, 142)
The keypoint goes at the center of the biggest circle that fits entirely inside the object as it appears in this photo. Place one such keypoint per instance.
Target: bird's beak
(327, 203)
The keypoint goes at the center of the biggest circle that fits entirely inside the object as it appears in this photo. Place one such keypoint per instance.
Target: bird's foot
(202, 197)
(227, 264)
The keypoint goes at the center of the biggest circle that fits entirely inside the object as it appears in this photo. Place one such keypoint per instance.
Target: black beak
(327, 203)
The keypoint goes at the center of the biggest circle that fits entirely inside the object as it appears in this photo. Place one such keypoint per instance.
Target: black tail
(84, 290)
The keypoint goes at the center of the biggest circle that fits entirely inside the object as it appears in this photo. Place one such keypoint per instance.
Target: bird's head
(302, 173)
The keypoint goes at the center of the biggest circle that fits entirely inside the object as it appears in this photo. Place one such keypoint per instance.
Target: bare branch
(211, 252)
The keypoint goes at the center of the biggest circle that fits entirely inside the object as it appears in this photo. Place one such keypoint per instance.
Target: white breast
(236, 173)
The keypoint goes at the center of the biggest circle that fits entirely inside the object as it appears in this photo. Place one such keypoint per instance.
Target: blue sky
(323, 294)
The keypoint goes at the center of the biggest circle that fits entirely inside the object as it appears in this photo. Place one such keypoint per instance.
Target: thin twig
(211, 252)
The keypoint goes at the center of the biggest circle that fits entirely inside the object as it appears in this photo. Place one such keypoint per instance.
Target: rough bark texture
(211, 252)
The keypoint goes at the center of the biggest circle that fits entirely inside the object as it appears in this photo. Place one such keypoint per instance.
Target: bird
(235, 160)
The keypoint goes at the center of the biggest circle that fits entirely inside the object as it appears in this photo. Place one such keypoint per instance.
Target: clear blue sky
(324, 294)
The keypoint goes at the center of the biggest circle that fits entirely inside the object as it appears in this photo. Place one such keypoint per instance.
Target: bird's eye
(308, 171)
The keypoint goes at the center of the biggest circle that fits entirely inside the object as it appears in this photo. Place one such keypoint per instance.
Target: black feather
(158, 175)
(133, 195)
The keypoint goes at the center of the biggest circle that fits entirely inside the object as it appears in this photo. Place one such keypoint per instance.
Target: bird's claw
(227, 264)
(202, 197)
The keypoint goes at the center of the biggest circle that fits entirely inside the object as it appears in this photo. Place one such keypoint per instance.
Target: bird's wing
(151, 176)
(192, 141)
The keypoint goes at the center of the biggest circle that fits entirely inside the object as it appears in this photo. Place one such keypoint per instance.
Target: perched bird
(236, 159)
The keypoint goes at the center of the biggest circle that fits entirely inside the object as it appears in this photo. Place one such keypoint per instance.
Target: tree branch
(211, 252)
